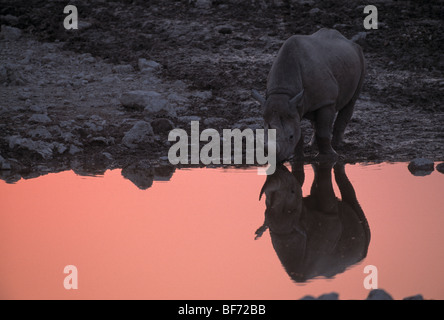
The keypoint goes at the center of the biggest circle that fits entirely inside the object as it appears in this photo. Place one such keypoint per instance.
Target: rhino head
(283, 201)
(283, 113)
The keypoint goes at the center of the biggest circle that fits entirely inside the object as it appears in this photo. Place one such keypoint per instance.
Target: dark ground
(227, 48)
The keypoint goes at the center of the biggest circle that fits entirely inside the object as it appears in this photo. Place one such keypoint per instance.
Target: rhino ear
(258, 97)
(296, 103)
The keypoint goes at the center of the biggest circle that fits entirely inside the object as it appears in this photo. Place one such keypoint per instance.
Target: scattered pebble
(40, 118)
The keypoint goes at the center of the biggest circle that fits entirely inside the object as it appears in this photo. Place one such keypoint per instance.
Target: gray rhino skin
(318, 235)
(318, 77)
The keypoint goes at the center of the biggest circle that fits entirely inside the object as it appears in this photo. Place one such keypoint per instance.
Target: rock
(416, 297)
(308, 298)
(123, 68)
(74, 150)
(10, 33)
(98, 118)
(162, 125)
(440, 167)
(141, 132)
(205, 95)
(138, 99)
(152, 102)
(110, 79)
(225, 29)
(314, 11)
(10, 19)
(40, 118)
(177, 98)
(60, 147)
(329, 296)
(93, 127)
(44, 149)
(179, 84)
(40, 133)
(67, 124)
(101, 141)
(203, 4)
(148, 65)
(38, 109)
(24, 95)
(11, 74)
(379, 294)
(67, 137)
(10, 177)
(90, 166)
(141, 174)
(55, 130)
(164, 173)
(421, 167)
(50, 58)
(87, 58)
(4, 165)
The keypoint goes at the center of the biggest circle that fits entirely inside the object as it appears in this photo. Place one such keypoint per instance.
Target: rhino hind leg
(345, 114)
(342, 120)
(325, 117)
(313, 136)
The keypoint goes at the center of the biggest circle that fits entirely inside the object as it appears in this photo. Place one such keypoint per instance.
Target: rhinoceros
(318, 235)
(318, 77)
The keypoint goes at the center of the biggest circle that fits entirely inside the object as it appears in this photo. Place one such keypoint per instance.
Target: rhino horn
(259, 232)
(297, 99)
(269, 186)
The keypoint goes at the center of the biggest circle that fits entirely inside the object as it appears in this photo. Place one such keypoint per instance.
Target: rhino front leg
(299, 150)
(323, 130)
(322, 188)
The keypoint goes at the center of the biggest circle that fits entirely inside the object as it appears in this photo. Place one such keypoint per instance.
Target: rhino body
(317, 77)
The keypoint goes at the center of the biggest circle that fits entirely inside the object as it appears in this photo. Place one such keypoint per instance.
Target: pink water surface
(193, 237)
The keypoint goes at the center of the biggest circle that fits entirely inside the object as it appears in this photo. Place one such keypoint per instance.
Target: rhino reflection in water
(318, 235)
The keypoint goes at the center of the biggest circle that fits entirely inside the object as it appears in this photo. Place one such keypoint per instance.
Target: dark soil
(228, 48)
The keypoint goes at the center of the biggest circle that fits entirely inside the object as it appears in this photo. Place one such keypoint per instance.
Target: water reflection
(142, 174)
(116, 234)
(318, 235)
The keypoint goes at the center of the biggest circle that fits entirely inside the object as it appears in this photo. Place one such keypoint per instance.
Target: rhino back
(325, 64)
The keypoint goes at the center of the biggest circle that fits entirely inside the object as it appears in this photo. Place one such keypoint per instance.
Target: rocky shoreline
(375, 294)
(87, 111)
